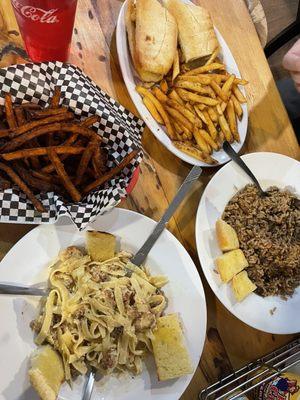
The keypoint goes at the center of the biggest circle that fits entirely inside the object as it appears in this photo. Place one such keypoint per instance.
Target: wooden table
(230, 343)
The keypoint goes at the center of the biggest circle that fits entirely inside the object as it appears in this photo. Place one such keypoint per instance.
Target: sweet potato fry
(20, 116)
(61, 172)
(111, 173)
(98, 162)
(205, 68)
(10, 115)
(238, 94)
(4, 184)
(54, 102)
(153, 111)
(35, 124)
(25, 189)
(49, 129)
(48, 112)
(36, 183)
(85, 159)
(144, 92)
(189, 96)
(91, 120)
(41, 151)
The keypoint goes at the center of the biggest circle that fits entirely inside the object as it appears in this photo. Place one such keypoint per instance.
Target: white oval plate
(131, 80)
(270, 169)
(26, 263)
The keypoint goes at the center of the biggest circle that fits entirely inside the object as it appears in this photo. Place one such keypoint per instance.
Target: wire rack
(254, 374)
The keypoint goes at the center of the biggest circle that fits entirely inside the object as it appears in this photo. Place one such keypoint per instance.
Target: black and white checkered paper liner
(120, 129)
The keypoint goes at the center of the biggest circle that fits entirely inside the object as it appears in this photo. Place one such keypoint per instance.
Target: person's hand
(291, 62)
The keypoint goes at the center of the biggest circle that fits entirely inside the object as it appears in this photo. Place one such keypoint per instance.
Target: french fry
(194, 86)
(85, 159)
(232, 120)
(176, 66)
(201, 78)
(225, 128)
(203, 145)
(179, 117)
(237, 107)
(178, 130)
(205, 68)
(221, 136)
(153, 111)
(206, 136)
(219, 92)
(213, 56)
(54, 102)
(226, 88)
(189, 96)
(239, 81)
(200, 113)
(163, 86)
(212, 114)
(114, 171)
(194, 152)
(159, 94)
(175, 96)
(219, 78)
(190, 108)
(10, 115)
(61, 172)
(182, 109)
(187, 135)
(238, 94)
(223, 106)
(210, 125)
(25, 189)
(40, 151)
(144, 92)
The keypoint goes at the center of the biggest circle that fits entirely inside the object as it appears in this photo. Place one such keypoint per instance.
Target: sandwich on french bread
(196, 33)
(152, 37)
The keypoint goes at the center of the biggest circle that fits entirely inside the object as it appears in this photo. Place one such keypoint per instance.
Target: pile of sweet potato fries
(47, 150)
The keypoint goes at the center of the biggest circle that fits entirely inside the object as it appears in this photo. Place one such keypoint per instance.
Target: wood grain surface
(230, 343)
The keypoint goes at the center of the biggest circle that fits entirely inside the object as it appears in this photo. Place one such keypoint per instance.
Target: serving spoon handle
(238, 160)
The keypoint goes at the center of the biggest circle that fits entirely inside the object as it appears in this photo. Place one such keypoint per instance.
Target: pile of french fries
(199, 107)
(48, 150)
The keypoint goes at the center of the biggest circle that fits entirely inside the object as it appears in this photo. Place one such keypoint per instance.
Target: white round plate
(270, 169)
(26, 263)
(131, 80)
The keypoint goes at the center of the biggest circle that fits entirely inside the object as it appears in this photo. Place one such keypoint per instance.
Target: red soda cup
(46, 27)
